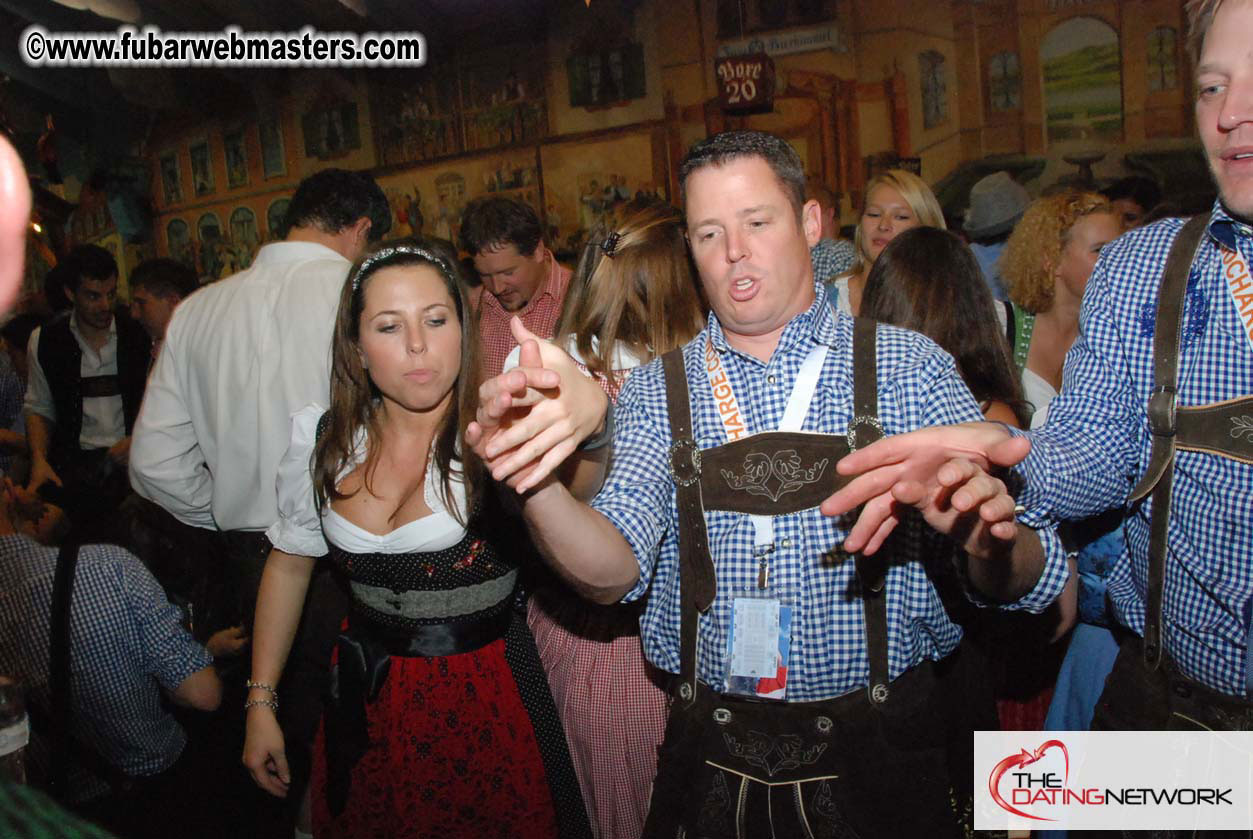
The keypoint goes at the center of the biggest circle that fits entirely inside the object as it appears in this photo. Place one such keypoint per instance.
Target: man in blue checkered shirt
(129, 653)
(750, 231)
(1097, 443)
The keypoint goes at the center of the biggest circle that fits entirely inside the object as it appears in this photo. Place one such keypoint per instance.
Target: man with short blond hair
(1154, 420)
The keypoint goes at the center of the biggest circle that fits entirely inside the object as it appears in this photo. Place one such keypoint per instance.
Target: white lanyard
(735, 425)
(1240, 285)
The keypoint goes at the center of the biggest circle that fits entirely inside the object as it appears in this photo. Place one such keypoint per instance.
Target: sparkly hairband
(388, 253)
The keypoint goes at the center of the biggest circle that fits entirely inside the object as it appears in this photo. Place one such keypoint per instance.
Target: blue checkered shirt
(1096, 443)
(918, 386)
(126, 640)
(831, 257)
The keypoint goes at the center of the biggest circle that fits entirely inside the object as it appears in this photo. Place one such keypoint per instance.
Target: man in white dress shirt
(240, 357)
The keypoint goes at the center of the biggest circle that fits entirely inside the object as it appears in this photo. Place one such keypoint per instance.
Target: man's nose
(1237, 107)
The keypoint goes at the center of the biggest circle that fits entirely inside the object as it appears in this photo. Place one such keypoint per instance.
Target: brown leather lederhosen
(1209, 428)
(733, 766)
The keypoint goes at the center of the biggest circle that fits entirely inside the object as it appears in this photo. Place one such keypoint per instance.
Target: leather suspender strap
(1167, 332)
(871, 570)
(64, 746)
(59, 661)
(697, 582)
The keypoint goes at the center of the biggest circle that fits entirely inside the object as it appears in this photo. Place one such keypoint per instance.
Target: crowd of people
(708, 536)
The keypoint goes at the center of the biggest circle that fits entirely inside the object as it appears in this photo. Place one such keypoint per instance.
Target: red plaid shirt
(539, 315)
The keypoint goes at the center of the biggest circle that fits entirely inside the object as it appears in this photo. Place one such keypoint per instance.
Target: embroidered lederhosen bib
(1222, 428)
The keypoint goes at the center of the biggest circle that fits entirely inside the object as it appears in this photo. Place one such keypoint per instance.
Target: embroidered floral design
(1242, 427)
(715, 811)
(774, 475)
(825, 817)
(476, 548)
(774, 754)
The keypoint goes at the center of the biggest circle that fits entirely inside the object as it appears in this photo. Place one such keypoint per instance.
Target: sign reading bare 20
(746, 82)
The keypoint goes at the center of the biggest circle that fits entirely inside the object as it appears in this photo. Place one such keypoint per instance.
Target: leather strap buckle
(684, 462)
(1162, 411)
(867, 427)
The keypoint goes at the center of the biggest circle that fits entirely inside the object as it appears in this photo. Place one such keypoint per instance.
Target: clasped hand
(533, 417)
(942, 472)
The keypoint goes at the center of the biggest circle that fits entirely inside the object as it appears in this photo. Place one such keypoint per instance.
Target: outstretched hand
(530, 419)
(940, 471)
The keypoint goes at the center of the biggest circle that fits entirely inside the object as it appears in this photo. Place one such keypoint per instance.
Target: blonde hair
(640, 291)
(1200, 15)
(921, 200)
(1035, 247)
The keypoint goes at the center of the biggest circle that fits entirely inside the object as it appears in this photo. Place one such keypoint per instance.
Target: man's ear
(68, 292)
(362, 228)
(811, 222)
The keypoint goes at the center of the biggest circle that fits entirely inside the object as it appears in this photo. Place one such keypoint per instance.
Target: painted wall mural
(178, 242)
(201, 168)
(428, 201)
(585, 182)
(1163, 63)
(933, 77)
(1082, 81)
(1004, 82)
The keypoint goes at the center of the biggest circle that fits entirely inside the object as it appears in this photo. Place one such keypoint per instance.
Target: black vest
(61, 359)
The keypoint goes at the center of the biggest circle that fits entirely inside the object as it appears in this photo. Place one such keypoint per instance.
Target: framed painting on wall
(606, 77)
(236, 158)
(201, 168)
(330, 130)
(276, 219)
(171, 178)
(273, 156)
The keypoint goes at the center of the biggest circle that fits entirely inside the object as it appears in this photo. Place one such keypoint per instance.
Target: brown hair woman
(442, 723)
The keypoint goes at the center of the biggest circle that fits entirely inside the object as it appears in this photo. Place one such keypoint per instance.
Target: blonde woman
(632, 298)
(1046, 266)
(896, 201)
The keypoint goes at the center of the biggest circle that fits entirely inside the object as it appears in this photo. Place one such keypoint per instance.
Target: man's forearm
(1009, 577)
(38, 433)
(581, 544)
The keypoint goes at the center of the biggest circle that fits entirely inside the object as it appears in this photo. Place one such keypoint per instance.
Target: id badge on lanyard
(759, 640)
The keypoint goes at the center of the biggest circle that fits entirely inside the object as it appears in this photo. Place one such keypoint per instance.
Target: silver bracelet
(250, 684)
(269, 703)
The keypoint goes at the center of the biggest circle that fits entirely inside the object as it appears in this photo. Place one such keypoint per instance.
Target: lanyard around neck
(1235, 272)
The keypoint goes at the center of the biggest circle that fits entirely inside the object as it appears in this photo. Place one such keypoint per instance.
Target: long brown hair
(633, 285)
(928, 280)
(355, 398)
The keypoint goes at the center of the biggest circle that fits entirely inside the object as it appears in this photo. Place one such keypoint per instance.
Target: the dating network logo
(1028, 787)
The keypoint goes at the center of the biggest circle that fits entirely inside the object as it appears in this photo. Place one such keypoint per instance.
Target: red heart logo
(1024, 758)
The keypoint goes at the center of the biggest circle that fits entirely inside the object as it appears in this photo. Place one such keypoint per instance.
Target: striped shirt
(1096, 444)
(918, 386)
